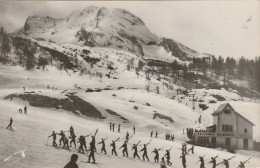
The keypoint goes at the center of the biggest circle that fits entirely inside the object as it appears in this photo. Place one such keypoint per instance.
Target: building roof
(223, 106)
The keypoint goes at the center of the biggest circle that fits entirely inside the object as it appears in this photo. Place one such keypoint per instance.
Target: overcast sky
(227, 28)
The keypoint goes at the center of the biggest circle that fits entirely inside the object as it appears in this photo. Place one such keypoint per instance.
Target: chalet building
(230, 130)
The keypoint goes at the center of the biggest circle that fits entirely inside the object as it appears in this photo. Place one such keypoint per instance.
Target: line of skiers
(124, 146)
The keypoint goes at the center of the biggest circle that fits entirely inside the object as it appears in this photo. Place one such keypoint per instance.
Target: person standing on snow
(156, 157)
(62, 137)
(145, 152)
(125, 152)
(118, 128)
(103, 148)
(113, 144)
(92, 151)
(73, 140)
(54, 139)
(135, 151)
(168, 157)
(10, 124)
(25, 110)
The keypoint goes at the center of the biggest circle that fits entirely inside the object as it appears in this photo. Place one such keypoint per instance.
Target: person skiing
(145, 152)
(113, 144)
(118, 128)
(168, 157)
(65, 142)
(225, 162)
(125, 152)
(134, 129)
(71, 131)
(103, 148)
(156, 133)
(10, 124)
(72, 163)
(92, 151)
(241, 165)
(127, 136)
(81, 141)
(62, 137)
(183, 156)
(134, 147)
(156, 157)
(151, 133)
(25, 110)
(113, 127)
(202, 165)
(162, 163)
(73, 140)
(53, 135)
(213, 161)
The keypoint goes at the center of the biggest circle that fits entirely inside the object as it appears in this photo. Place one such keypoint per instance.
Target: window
(227, 111)
(227, 128)
(245, 130)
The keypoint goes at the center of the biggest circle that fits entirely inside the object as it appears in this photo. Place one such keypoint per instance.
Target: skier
(81, 141)
(65, 142)
(54, 139)
(156, 133)
(156, 157)
(71, 131)
(185, 147)
(162, 163)
(110, 126)
(134, 129)
(127, 136)
(168, 157)
(241, 165)
(94, 143)
(10, 124)
(72, 163)
(183, 156)
(62, 137)
(213, 161)
(84, 143)
(125, 152)
(113, 127)
(201, 162)
(92, 151)
(192, 149)
(151, 133)
(225, 162)
(103, 148)
(118, 128)
(145, 152)
(135, 151)
(25, 110)
(113, 144)
(73, 140)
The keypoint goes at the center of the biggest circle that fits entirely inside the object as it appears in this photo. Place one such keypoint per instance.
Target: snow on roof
(223, 106)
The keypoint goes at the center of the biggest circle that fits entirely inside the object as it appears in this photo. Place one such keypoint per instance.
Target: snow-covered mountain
(103, 27)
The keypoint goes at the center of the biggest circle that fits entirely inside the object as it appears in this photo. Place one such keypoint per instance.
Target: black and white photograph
(130, 84)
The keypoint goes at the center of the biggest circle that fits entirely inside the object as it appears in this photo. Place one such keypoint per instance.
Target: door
(213, 142)
(245, 143)
(227, 142)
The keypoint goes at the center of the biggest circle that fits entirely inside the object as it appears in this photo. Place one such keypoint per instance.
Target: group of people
(169, 137)
(21, 111)
(112, 127)
(156, 134)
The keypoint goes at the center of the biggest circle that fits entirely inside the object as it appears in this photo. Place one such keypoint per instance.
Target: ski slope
(31, 131)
